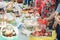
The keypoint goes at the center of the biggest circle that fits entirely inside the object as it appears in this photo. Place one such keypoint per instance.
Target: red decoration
(41, 21)
(43, 4)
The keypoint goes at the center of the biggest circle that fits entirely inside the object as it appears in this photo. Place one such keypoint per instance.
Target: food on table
(16, 13)
(8, 31)
(0, 27)
(8, 11)
(2, 7)
(31, 11)
(42, 30)
(24, 11)
(41, 33)
(27, 17)
(20, 1)
(36, 29)
(30, 28)
(7, 17)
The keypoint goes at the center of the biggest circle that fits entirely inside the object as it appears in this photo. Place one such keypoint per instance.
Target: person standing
(55, 15)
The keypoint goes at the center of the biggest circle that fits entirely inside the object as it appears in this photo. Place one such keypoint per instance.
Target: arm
(54, 25)
(55, 13)
(57, 18)
(52, 16)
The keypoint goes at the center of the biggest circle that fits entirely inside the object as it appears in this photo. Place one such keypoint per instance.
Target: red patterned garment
(0, 0)
(45, 7)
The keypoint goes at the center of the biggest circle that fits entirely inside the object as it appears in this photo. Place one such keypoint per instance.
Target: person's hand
(54, 25)
(45, 19)
(57, 18)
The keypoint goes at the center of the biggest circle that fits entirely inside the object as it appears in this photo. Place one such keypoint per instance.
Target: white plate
(16, 30)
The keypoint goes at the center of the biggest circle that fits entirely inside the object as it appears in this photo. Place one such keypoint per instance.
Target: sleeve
(58, 8)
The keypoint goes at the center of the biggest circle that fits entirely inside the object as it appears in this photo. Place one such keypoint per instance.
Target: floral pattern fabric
(45, 7)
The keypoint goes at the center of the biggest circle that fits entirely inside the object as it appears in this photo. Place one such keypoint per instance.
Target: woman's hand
(54, 25)
(57, 18)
